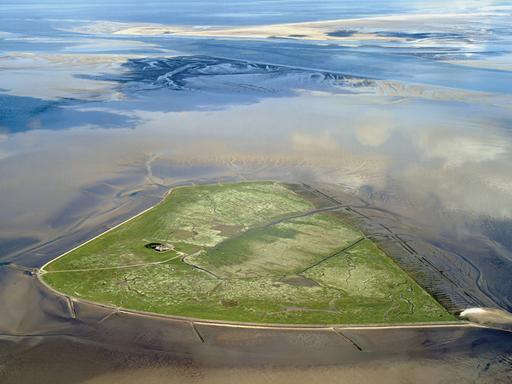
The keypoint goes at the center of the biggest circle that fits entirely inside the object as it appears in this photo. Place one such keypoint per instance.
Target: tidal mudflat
(400, 110)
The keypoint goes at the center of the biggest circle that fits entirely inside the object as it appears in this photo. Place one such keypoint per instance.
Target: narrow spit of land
(252, 251)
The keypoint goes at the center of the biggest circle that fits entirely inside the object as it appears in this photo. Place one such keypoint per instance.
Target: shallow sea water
(413, 125)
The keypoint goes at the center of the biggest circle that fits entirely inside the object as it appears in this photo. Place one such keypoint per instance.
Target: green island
(252, 252)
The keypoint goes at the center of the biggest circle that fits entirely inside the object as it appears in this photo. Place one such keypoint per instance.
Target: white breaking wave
(492, 317)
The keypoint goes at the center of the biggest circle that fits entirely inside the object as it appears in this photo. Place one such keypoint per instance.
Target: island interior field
(254, 252)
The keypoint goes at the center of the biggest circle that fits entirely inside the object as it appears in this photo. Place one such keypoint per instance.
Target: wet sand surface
(49, 341)
(86, 363)
(402, 115)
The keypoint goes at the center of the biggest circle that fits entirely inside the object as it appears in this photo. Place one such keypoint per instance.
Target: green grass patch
(255, 251)
(284, 248)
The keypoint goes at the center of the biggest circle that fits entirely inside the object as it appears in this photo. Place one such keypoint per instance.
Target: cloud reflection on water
(408, 112)
(390, 113)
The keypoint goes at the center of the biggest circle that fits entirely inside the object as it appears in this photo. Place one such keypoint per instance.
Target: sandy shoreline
(358, 29)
